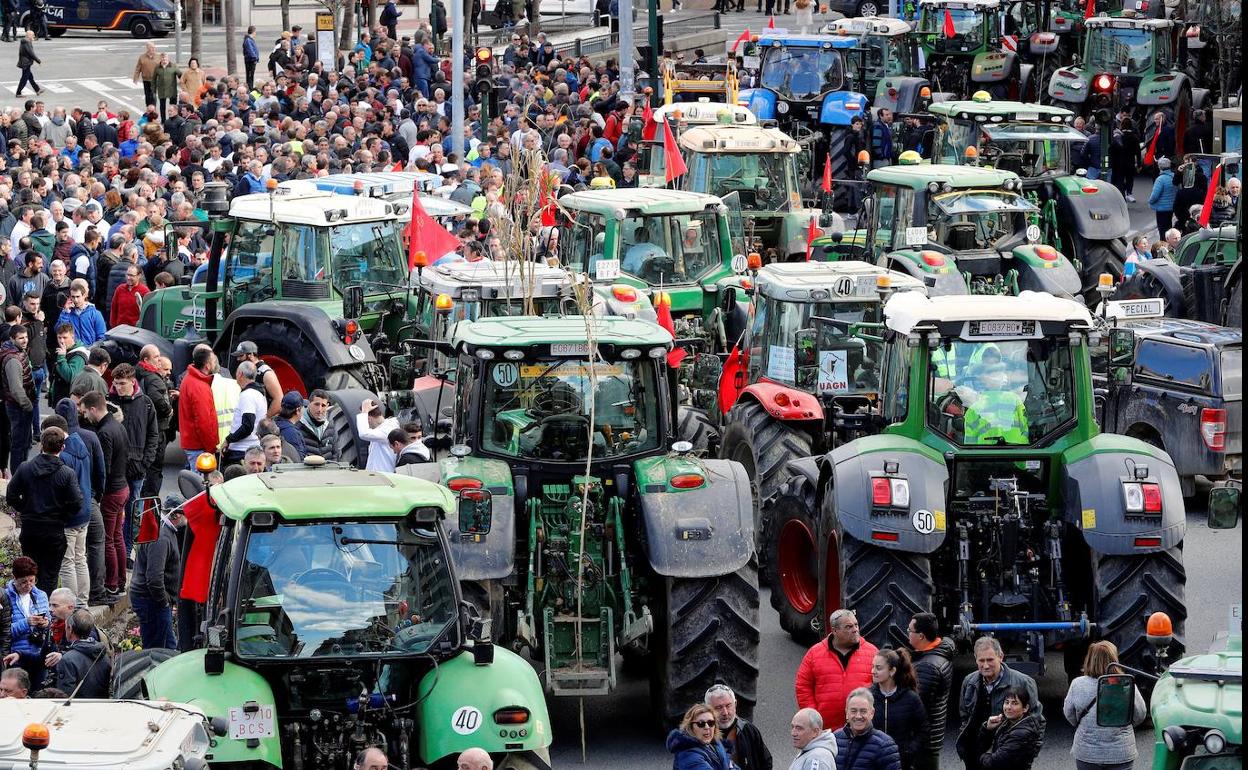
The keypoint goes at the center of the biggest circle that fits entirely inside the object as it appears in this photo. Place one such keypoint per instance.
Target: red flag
(812, 233)
(1090, 10)
(1207, 209)
(673, 164)
(648, 125)
(149, 524)
(771, 22)
(731, 380)
(201, 517)
(1150, 155)
(950, 30)
(546, 205)
(426, 235)
(827, 173)
(745, 38)
(663, 311)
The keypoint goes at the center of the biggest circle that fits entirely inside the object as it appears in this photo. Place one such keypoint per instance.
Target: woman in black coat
(899, 711)
(1124, 154)
(1015, 733)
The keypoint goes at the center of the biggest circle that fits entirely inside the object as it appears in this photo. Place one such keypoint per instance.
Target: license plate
(569, 349)
(606, 269)
(245, 725)
(1002, 328)
(1027, 116)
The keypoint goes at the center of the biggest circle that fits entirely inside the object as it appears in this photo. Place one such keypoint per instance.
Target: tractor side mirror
(1115, 700)
(1121, 355)
(214, 654)
(1223, 508)
(353, 302)
(476, 513)
(401, 369)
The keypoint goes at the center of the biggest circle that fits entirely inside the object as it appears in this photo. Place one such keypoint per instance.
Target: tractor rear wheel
(1130, 588)
(1107, 257)
(1235, 306)
(838, 140)
(791, 570)
(129, 668)
(345, 405)
(694, 426)
(884, 589)
(706, 632)
(298, 365)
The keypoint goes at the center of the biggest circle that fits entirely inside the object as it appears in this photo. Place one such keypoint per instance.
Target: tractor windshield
(975, 220)
(812, 346)
(367, 254)
(800, 74)
(1002, 393)
(1031, 150)
(675, 248)
(317, 590)
(968, 26)
(1119, 50)
(761, 180)
(553, 410)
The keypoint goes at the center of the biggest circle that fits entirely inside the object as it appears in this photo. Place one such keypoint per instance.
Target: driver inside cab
(995, 412)
(641, 252)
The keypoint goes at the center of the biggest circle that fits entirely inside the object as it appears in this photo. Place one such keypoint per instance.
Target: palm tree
(348, 22)
(231, 31)
(196, 10)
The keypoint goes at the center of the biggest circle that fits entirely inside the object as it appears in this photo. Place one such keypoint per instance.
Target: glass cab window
(952, 139)
(802, 73)
(891, 214)
(969, 24)
(811, 346)
(581, 247)
(669, 249)
(367, 254)
(975, 220)
(1120, 50)
(305, 258)
(764, 181)
(250, 263)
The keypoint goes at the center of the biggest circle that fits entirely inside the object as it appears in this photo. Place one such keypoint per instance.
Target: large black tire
(1103, 257)
(838, 139)
(764, 446)
(791, 571)
(129, 668)
(1234, 316)
(694, 426)
(1130, 588)
(884, 589)
(352, 450)
(706, 632)
(1148, 284)
(304, 369)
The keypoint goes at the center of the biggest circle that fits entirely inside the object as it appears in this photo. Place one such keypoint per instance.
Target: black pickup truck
(1185, 393)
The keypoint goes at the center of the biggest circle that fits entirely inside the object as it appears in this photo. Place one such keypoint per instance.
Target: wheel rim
(868, 9)
(287, 376)
(797, 579)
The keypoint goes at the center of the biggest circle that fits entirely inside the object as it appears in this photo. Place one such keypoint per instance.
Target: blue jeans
(19, 435)
(155, 623)
(40, 376)
(132, 513)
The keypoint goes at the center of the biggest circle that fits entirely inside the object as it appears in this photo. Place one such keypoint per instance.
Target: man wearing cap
(154, 583)
(287, 421)
(247, 351)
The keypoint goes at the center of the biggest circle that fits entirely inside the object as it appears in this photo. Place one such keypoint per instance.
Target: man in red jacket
(833, 668)
(197, 413)
(127, 298)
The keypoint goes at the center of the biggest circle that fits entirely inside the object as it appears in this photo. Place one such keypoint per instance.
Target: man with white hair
(983, 695)
(833, 667)
(748, 750)
(474, 759)
(816, 747)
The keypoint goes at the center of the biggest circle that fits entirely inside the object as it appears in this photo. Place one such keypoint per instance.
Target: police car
(141, 18)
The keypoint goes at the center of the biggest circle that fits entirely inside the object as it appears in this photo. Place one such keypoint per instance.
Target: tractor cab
(650, 161)
(884, 63)
(961, 45)
(1034, 141)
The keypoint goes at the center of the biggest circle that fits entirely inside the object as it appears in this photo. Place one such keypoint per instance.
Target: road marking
(127, 83)
(58, 88)
(94, 85)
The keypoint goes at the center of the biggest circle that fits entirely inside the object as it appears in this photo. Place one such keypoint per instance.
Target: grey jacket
(1094, 744)
(819, 754)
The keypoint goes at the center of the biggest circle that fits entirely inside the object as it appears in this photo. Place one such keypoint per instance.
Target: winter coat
(1095, 744)
(1124, 151)
(88, 323)
(145, 67)
(823, 684)
(291, 435)
(748, 749)
(157, 567)
(166, 82)
(91, 379)
(197, 412)
(819, 754)
(142, 433)
(116, 446)
(19, 627)
(412, 454)
(93, 489)
(1164, 193)
(86, 662)
(902, 717)
(934, 670)
(78, 458)
(1014, 745)
(871, 750)
(1009, 678)
(318, 439)
(437, 19)
(156, 387)
(423, 64)
(37, 336)
(45, 490)
(26, 54)
(192, 81)
(124, 309)
(689, 753)
(18, 384)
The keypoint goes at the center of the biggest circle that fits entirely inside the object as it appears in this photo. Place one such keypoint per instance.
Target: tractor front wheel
(1102, 257)
(791, 570)
(706, 632)
(694, 426)
(129, 668)
(884, 589)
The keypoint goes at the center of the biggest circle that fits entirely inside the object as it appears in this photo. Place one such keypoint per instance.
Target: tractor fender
(839, 108)
(1057, 277)
(124, 342)
(311, 321)
(482, 557)
(1070, 85)
(1166, 275)
(1155, 91)
(1025, 73)
(457, 700)
(848, 471)
(939, 282)
(701, 532)
(1098, 216)
(429, 394)
(1092, 485)
(181, 679)
(800, 407)
(993, 66)
(760, 101)
(1201, 98)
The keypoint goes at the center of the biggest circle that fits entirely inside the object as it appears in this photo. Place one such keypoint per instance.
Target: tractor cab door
(248, 265)
(736, 224)
(303, 267)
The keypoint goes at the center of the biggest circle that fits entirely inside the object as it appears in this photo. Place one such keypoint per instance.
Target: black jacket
(1014, 747)
(318, 439)
(116, 446)
(6, 624)
(873, 750)
(902, 716)
(86, 661)
(748, 749)
(156, 388)
(157, 567)
(26, 54)
(45, 490)
(934, 670)
(142, 430)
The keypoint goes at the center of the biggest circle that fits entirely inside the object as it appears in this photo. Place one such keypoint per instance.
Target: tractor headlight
(782, 108)
(1175, 738)
(1215, 742)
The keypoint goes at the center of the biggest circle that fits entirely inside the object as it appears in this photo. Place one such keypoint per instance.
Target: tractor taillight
(1213, 428)
(1142, 497)
(624, 293)
(932, 258)
(1152, 497)
(1047, 253)
(515, 715)
(463, 482)
(687, 481)
(881, 492)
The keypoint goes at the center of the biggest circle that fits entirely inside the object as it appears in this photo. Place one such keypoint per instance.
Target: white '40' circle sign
(466, 720)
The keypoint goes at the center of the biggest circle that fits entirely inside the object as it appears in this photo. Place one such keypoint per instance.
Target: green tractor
(1214, 35)
(604, 539)
(884, 62)
(960, 42)
(334, 621)
(1086, 217)
(958, 229)
(989, 497)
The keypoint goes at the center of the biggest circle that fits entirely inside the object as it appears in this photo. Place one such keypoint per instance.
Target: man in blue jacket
(859, 746)
(1161, 201)
(87, 320)
(423, 65)
(251, 55)
(74, 572)
(67, 408)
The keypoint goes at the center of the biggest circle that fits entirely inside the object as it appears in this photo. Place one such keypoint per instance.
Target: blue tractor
(801, 83)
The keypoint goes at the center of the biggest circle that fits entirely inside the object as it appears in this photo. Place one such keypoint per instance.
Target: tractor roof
(1129, 22)
(640, 201)
(694, 113)
(1001, 111)
(531, 331)
(494, 279)
(737, 139)
(306, 493)
(986, 5)
(378, 184)
(847, 281)
(777, 39)
(920, 174)
(304, 204)
(868, 25)
(907, 310)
